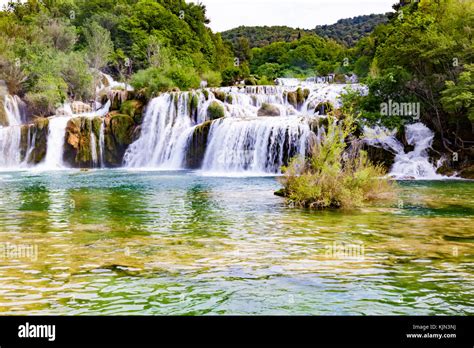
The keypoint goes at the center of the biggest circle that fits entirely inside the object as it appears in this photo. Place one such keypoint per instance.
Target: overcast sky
(228, 14)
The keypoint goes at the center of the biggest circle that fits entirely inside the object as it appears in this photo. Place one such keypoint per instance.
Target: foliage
(72, 40)
(458, 97)
(213, 78)
(425, 44)
(345, 31)
(335, 176)
(215, 111)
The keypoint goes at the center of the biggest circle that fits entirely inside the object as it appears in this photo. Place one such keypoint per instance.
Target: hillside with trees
(53, 50)
(345, 31)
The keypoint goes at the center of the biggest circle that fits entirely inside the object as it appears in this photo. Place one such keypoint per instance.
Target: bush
(151, 81)
(48, 94)
(334, 177)
(213, 78)
(183, 77)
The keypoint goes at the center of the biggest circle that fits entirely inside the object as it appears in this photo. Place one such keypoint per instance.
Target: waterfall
(414, 164)
(102, 144)
(93, 141)
(30, 145)
(10, 135)
(260, 145)
(242, 141)
(165, 131)
(55, 142)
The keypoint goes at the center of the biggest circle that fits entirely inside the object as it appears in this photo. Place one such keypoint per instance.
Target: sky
(307, 14)
(228, 14)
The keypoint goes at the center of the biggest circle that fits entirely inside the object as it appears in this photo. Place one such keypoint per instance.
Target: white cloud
(306, 14)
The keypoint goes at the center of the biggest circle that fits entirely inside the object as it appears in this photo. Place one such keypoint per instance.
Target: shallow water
(124, 242)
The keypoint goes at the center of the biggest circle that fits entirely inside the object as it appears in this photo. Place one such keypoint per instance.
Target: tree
(99, 45)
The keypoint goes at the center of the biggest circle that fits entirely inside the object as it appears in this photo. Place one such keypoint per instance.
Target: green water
(118, 242)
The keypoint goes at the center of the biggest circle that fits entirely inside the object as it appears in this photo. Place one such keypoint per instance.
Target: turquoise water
(120, 242)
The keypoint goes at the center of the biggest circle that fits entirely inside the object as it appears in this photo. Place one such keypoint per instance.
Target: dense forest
(52, 50)
(346, 31)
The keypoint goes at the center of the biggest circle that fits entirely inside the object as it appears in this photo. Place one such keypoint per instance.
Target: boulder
(215, 111)
(3, 114)
(268, 110)
(323, 108)
(467, 172)
(220, 95)
(134, 109)
(79, 107)
(197, 146)
(37, 132)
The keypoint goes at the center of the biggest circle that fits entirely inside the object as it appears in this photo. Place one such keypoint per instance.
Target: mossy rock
(467, 172)
(78, 147)
(324, 108)
(317, 123)
(122, 129)
(3, 113)
(134, 109)
(229, 99)
(205, 92)
(118, 135)
(380, 156)
(250, 81)
(215, 111)
(292, 98)
(220, 95)
(38, 132)
(300, 96)
(197, 146)
(193, 103)
(268, 110)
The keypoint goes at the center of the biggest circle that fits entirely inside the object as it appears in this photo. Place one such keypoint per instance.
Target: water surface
(124, 242)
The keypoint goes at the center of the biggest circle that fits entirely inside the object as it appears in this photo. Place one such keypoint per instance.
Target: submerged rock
(197, 146)
(268, 110)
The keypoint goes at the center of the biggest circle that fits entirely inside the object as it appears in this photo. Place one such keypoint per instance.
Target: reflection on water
(118, 242)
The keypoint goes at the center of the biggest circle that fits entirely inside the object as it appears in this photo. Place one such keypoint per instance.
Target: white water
(102, 145)
(94, 156)
(241, 142)
(256, 146)
(55, 143)
(165, 132)
(414, 164)
(10, 135)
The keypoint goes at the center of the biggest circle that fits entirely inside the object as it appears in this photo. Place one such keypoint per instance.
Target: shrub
(213, 78)
(48, 94)
(333, 176)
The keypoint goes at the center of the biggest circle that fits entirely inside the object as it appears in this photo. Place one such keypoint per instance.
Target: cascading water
(55, 143)
(94, 156)
(10, 135)
(414, 164)
(165, 131)
(260, 145)
(242, 141)
(102, 144)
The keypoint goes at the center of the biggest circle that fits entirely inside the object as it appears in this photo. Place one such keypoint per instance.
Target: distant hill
(347, 31)
(351, 30)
